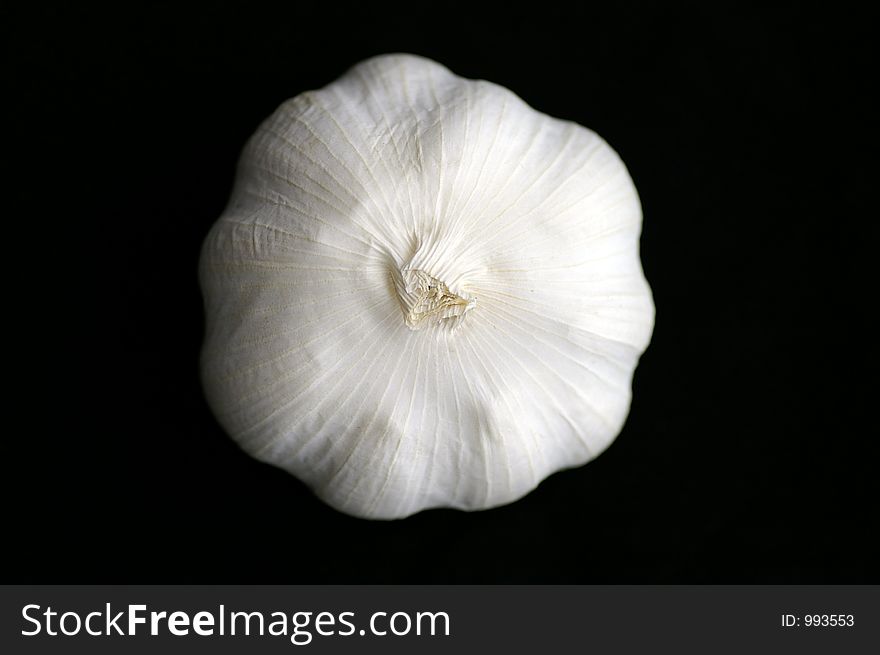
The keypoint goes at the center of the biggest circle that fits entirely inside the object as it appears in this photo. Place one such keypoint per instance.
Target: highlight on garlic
(423, 292)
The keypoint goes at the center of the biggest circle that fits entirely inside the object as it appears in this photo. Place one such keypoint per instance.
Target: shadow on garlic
(423, 293)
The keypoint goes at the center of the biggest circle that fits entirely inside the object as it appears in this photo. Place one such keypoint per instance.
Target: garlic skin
(423, 293)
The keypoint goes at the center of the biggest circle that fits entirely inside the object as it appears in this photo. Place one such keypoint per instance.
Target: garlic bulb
(423, 292)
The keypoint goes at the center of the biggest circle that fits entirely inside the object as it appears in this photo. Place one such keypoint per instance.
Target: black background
(746, 457)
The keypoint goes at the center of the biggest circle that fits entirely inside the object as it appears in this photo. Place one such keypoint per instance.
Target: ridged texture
(423, 292)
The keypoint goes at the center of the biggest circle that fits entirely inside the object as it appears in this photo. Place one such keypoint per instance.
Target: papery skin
(531, 223)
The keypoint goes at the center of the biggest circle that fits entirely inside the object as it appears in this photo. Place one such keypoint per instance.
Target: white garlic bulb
(423, 292)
